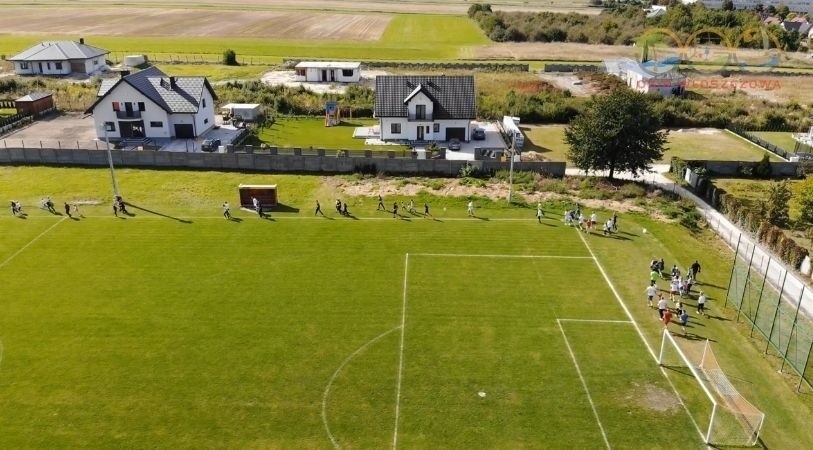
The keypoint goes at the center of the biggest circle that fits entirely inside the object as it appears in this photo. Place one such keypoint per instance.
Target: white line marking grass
(584, 384)
(400, 356)
(467, 255)
(640, 333)
(596, 321)
(275, 216)
(8, 260)
(333, 377)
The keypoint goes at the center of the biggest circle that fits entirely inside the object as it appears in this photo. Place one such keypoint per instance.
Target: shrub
(691, 220)
(632, 190)
(469, 171)
(778, 203)
(763, 168)
(230, 58)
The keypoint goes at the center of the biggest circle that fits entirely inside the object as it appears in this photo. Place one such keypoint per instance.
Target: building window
(300, 72)
(157, 124)
(110, 126)
(48, 65)
(436, 127)
(23, 65)
(95, 62)
(395, 128)
(420, 112)
(116, 106)
(205, 121)
(427, 128)
(58, 66)
(141, 106)
(204, 102)
(347, 72)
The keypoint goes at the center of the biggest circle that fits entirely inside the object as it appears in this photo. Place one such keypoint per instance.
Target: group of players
(679, 288)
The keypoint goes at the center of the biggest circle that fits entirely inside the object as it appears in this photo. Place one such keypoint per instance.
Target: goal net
(726, 417)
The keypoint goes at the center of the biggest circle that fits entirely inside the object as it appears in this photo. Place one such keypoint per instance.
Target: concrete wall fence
(263, 162)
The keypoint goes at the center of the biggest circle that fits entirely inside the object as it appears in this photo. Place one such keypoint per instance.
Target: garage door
(184, 131)
(459, 133)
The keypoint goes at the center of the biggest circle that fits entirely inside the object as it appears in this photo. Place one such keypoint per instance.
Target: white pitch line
(464, 255)
(278, 217)
(400, 356)
(326, 394)
(640, 333)
(596, 321)
(3, 264)
(584, 384)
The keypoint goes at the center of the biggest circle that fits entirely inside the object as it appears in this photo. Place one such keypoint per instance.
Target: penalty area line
(627, 322)
(471, 255)
(400, 356)
(8, 260)
(584, 384)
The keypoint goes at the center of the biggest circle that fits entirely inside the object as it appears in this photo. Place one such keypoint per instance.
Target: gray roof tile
(453, 96)
(59, 51)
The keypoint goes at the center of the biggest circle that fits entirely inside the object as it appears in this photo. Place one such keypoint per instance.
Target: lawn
(408, 37)
(781, 139)
(707, 143)
(308, 132)
(215, 72)
(5, 112)
(176, 328)
(756, 191)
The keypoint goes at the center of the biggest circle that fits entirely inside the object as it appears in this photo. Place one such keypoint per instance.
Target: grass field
(5, 112)
(781, 139)
(710, 144)
(311, 132)
(215, 72)
(175, 327)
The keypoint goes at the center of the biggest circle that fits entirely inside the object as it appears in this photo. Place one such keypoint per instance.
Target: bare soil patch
(652, 398)
(193, 22)
(569, 81)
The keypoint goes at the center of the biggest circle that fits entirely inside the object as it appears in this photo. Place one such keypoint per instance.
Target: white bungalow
(328, 72)
(425, 108)
(60, 58)
(649, 77)
(150, 104)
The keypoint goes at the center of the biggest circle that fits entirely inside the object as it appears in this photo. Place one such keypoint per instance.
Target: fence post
(792, 329)
(804, 371)
(733, 266)
(761, 288)
(747, 277)
(22, 144)
(776, 312)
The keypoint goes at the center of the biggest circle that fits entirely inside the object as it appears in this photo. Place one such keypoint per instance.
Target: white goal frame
(668, 339)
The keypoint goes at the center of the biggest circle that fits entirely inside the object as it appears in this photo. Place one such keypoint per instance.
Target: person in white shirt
(593, 220)
(226, 210)
(651, 292)
(470, 210)
(539, 212)
(663, 305)
(701, 304)
(674, 288)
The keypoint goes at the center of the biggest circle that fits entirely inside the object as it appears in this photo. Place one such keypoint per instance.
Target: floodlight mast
(511, 176)
(110, 162)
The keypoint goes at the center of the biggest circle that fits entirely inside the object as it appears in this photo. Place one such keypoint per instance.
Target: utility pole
(110, 162)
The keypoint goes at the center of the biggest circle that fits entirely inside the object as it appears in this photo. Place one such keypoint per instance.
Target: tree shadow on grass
(140, 208)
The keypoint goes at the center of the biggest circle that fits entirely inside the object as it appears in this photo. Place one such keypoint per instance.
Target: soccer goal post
(727, 418)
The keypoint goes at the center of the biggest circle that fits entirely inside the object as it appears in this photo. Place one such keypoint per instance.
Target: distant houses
(151, 104)
(328, 72)
(60, 58)
(798, 6)
(425, 108)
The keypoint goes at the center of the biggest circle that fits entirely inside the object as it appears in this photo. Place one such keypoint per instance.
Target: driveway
(55, 131)
(493, 141)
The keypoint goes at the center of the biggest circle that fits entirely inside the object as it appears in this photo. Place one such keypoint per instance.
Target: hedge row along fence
(743, 215)
(469, 65)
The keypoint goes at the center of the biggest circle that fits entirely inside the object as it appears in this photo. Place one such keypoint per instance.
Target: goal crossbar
(733, 419)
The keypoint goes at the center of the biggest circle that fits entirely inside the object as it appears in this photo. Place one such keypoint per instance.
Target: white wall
(48, 68)
(99, 65)
(420, 99)
(205, 118)
(314, 74)
(409, 129)
(103, 112)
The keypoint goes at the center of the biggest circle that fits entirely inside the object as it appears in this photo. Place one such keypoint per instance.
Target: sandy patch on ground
(568, 81)
(652, 398)
(288, 78)
(193, 22)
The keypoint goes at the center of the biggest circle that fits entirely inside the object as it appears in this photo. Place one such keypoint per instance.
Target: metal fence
(774, 306)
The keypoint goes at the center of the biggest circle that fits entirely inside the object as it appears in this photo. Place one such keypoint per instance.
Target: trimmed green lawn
(177, 328)
(5, 112)
(781, 139)
(215, 72)
(308, 132)
(706, 143)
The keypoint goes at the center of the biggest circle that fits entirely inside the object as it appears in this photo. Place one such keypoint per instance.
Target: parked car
(454, 144)
(210, 145)
(479, 134)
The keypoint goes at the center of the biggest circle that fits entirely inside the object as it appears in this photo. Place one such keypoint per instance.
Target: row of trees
(625, 23)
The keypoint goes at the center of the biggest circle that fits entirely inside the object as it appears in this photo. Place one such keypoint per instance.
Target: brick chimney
(172, 83)
(81, 40)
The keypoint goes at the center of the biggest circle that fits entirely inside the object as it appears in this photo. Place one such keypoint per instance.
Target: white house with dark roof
(328, 72)
(649, 77)
(425, 108)
(151, 104)
(60, 58)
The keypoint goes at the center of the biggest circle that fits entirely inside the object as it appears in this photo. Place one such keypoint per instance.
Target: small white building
(60, 58)
(425, 108)
(244, 112)
(328, 72)
(649, 77)
(151, 104)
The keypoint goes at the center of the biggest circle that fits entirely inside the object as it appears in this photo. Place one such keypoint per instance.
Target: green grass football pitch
(308, 332)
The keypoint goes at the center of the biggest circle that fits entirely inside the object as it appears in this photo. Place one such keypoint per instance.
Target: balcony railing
(128, 114)
(419, 118)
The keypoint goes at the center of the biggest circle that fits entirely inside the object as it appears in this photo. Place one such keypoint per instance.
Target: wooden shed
(35, 103)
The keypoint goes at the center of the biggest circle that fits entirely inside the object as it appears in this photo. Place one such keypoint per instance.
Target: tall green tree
(778, 204)
(616, 132)
(804, 199)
